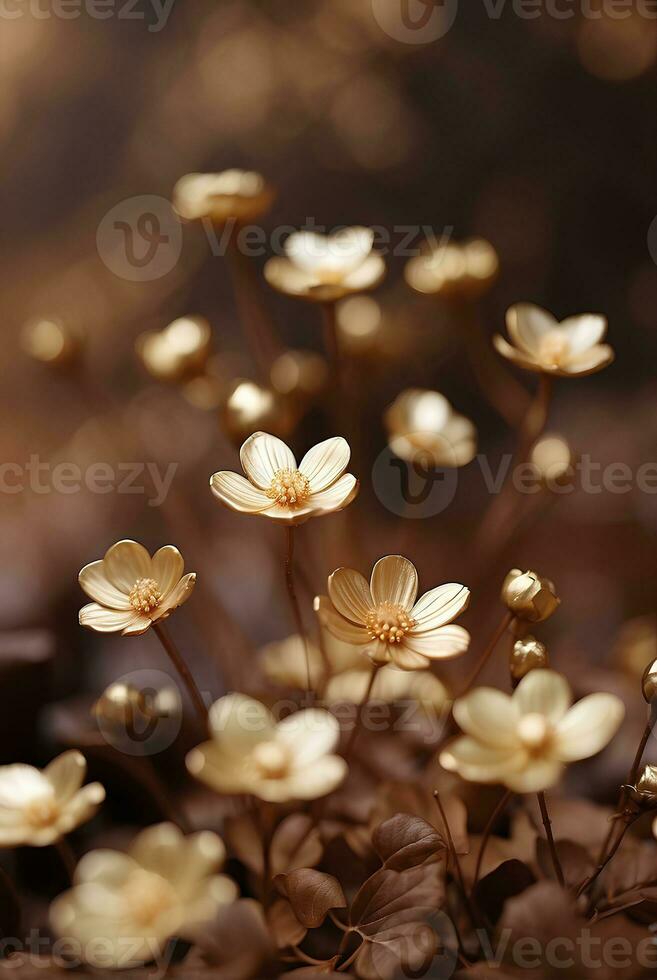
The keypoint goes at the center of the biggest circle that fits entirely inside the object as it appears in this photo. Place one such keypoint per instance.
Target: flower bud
(528, 654)
(649, 682)
(529, 596)
(644, 791)
(50, 341)
(119, 704)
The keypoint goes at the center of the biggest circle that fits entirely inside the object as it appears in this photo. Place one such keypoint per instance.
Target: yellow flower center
(145, 595)
(289, 488)
(42, 812)
(272, 760)
(535, 732)
(553, 348)
(148, 896)
(388, 622)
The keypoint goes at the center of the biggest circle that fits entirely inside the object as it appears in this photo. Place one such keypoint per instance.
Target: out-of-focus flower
(419, 686)
(359, 321)
(131, 590)
(527, 654)
(164, 886)
(50, 341)
(325, 268)
(569, 349)
(529, 596)
(465, 270)
(553, 459)
(278, 489)
(524, 740)
(250, 753)
(299, 374)
(38, 807)
(238, 195)
(251, 407)
(384, 618)
(178, 351)
(424, 428)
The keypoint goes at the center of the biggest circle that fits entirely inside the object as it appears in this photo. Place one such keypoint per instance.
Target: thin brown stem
(67, 857)
(488, 652)
(331, 340)
(631, 779)
(488, 831)
(183, 670)
(455, 860)
(358, 724)
(588, 883)
(256, 322)
(294, 601)
(547, 823)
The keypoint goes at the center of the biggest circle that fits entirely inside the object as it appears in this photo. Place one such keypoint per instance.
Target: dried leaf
(284, 924)
(311, 894)
(238, 942)
(295, 844)
(405, 841)
(508, 879)
(244, 841)
(576, 862)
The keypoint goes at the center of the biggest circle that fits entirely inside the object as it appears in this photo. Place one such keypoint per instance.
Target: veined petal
(239, 722)
(125, 562)
(543, 692)
(440, 643)
(310, 734)
(589, 361)
(336, 497)
(523, 360)
(584, 331)
(539, 775)
(350, 594)
(138, 626)
(405, 659)
(176, 597)
(325, 463)
(368, 274)
(394, 579)
(439, 606)
(262, 455)
(343, 629)
(96, 617)
(93, 579)
(488, 715)
(168, 567)
(480, 763)
(66, 773)
(527, 323)
(237, 493)
(589, 726)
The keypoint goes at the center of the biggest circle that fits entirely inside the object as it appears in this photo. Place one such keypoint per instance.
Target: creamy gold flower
(250, 753)
(424, 428)
(542, 344)
(325, 268)
(385, 620)
(124, 907)
(238, 195)
(392, 685)
(284, 661)
(131, 590)
(38, 807)
(279, 489)
(529, 596)
(178, 351)
(453, 269)
(524, 740)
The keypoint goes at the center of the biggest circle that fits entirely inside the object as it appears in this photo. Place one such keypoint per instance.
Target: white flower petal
(66, 774)
(584, 331)
(440, 643)
(539, 775)
(20, 783)
(318, 779)
(336, 497)
(81, 808)
(589, 361)
(543, 692)
(93, 579)
(589, 726)
(488, 715)
(368, 275)
(168, 567)
(527, 323)
(237, 493)
(309, 251)
(104, 620)
(310, 734)
(138, 626)
(238, 723)
(350, 594)
(325, 463)
(262, 456)
(394, 579)
(222, 771)
(405, 659)
(284, 276)
(523, 360)
(176, 597)
(480, 763)
(439, 606)
(161, 849)
(336, 624)
(125, 562)
(104, 867)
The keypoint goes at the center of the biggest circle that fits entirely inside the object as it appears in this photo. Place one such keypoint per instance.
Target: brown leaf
(576, 862)
(238, 943)
(492, 891)
(284, 925)
(296, 844)
(244, 841)
(405, 841)
(311, 894)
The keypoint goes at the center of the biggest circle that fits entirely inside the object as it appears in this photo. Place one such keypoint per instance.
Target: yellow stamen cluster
(271, 759)
(388, 623)
(289, 488)
(554, 348)
(42, 812)
(145, 595)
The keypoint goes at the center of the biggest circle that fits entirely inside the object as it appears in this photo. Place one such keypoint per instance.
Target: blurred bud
(644, 791)
(649, 682)
(528, 596)
(360, 325)
(249, 407)
(178, 351)
(636, 645)
(119, 704)
(300, 374)
(50, 341)
(424, 428)
(233, 195)
(454, 270)
(527, 654)
(553, 459)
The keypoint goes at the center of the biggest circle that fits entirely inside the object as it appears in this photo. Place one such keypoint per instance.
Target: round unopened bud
(649, 682)
(529, 596)
(553, 460)
(527, 654)
(50, 341)
(644, 791)
(120, 703)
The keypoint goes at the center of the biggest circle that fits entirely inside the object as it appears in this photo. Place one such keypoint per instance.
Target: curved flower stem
(547, 823)
(358, 724)
(631, 779)
(457, 864)
(488, 831)
(294, 601)
(185, 673)
(67, 857)
(490, 649)
(587, 884)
